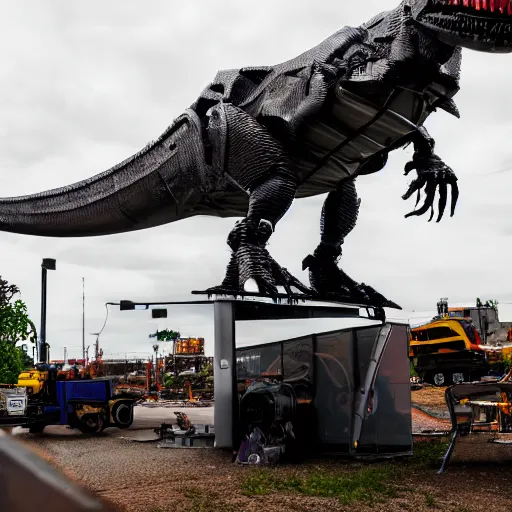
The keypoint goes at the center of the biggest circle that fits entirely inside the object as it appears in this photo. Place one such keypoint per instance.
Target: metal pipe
(42, 330)
(47, 264)
(83, 317)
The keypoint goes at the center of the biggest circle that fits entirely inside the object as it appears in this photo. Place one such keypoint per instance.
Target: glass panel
(392, 400)
(262, 361)
(334, 390)
(298, 359)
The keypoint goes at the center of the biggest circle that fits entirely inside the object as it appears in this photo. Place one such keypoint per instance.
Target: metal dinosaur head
(482, 25)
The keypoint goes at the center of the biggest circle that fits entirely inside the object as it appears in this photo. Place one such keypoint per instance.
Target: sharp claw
(416, 185)
(443, 193)
(409, 166)
(266, 288)
(431, 213)
(455, 196)
(430, 191)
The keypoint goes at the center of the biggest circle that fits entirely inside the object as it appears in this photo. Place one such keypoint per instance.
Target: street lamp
(128, 305)
(47, 264)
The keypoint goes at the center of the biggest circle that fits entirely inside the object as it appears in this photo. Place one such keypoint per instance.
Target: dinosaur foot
(254, 262)
(331, 283)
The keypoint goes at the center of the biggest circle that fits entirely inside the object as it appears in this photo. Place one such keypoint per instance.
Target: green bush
(10, 363)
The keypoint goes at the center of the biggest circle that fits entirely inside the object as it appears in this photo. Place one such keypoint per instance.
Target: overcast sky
(86, 84)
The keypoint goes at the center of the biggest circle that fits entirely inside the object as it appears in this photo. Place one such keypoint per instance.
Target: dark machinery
(275, 418)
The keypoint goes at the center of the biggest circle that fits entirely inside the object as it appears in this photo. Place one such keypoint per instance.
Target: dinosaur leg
(339, 216)
(250, 259)
(246, 151)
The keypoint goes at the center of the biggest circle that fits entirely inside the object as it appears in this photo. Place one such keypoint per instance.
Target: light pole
(47, 264)
(83, 317)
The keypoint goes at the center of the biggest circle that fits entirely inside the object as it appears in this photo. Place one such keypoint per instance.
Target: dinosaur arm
(433, 174)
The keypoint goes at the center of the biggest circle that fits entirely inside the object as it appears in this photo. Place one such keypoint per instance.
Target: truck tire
(439, 379)
(90, 423)
(122, 413)
(458, 376)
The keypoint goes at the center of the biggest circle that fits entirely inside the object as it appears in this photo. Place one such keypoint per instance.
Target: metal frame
(226, 313)
(362, 386)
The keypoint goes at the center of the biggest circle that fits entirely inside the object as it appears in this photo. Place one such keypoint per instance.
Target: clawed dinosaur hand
(433, 173)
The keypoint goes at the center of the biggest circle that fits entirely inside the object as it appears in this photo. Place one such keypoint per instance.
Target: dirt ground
(429, 413)
(139, 477)
(430, 397)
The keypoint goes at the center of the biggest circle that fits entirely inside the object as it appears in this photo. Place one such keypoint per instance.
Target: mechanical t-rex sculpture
(259, 137)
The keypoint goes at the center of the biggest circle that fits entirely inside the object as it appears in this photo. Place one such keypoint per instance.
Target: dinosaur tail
(158, 185)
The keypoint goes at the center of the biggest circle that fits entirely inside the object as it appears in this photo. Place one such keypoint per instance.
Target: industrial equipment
(451, 349)
(481, 408)
(44, 396)
(273, 420)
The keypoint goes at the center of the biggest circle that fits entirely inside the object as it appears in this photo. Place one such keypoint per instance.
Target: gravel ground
(430, 397)
(422, 422)
(139, 477)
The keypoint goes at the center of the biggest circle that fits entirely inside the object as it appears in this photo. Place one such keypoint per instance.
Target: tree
(15, 326)
(165, 335)
(27, 361)
(10, 363)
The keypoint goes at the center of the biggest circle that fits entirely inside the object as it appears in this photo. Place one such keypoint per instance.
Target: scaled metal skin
(259, 137)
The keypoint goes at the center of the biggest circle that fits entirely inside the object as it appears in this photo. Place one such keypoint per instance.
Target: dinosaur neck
(412, 52)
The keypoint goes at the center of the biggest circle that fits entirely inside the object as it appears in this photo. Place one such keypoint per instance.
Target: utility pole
(47, 264)
(83, 317)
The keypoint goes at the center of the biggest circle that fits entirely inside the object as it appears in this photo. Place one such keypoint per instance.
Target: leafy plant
(165, 335)
(10, 363)
(169, 381)
(207, 371)
(15, 326)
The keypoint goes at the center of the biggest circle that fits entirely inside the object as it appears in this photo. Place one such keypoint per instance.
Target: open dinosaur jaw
(483, 25)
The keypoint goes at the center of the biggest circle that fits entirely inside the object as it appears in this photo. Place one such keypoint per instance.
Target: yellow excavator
(450, 348)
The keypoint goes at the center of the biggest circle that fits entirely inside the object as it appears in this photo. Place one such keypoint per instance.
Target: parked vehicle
(39, 399)
(448, 351)
(460, 344)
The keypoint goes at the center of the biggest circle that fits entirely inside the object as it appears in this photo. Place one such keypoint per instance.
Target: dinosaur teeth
(493, 6)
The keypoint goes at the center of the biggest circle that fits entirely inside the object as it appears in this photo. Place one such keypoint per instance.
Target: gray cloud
(86, 85)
